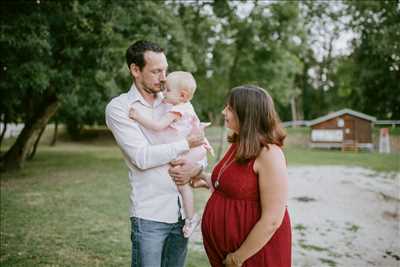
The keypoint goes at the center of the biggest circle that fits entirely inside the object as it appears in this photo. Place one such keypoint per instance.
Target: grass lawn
(69, 206)
(298, 153)
(372, 160)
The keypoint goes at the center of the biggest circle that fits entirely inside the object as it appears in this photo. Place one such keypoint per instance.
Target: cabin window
(340, 123)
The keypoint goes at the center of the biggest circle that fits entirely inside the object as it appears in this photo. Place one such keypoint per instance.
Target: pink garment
(188, 119)
(180, 129)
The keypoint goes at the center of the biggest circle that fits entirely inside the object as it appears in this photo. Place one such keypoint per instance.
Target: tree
(256, 47)
(365, 78)
(376, 58)
(52, 50)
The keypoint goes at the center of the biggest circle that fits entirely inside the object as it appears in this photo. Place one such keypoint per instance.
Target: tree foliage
(375, 62)
(54, 52)
(66, 58)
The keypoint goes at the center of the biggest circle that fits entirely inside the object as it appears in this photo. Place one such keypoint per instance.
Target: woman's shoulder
(271, 150)
(270, 155)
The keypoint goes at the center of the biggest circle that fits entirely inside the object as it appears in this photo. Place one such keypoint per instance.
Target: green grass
(353, 228)
(372, 160)
(330, 262)
(69, 206)
(66, 208)
(298, 153)
(312, 247)
(197, 259)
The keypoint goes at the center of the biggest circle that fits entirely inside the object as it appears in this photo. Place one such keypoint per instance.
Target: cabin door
(349, 130)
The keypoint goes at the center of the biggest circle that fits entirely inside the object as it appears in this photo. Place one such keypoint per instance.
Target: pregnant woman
(245, 221)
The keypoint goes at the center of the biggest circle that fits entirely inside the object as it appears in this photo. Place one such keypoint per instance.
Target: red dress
(232, 211)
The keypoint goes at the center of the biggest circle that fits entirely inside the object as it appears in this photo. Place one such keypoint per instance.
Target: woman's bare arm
(271, 168)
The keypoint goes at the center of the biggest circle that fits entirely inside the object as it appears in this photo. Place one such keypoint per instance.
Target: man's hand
(195, 140)
(182, 170)
(133, 113)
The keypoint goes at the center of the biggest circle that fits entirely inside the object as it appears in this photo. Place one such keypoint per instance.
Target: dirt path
(342, 216)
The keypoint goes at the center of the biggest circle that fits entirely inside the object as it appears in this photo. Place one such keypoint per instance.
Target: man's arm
(134, 144)
(154, 125)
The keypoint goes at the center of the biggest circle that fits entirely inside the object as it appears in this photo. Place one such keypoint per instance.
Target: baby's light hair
(183, 81)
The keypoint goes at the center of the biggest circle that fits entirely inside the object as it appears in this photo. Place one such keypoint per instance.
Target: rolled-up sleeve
(134, 144)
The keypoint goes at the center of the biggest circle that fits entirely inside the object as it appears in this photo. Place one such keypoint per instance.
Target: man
(156, 217)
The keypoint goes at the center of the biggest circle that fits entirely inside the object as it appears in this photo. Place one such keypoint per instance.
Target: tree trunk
(210, 116)
(3, 132)
(16, 155)
(33, 152)
(222, 138)
(294, 111)
(54, 140)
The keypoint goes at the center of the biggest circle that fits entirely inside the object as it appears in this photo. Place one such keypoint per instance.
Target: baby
(180, 88)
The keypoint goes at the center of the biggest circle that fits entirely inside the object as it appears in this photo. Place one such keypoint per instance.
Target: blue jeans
(157, 244)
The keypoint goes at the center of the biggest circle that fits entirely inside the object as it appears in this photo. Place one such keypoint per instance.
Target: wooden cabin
(345, 129)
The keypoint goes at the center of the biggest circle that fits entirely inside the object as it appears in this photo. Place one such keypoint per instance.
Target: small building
(346, 129)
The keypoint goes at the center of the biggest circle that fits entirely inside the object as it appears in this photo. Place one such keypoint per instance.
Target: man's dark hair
(135, 52)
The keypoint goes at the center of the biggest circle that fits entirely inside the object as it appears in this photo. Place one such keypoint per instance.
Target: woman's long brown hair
(259, 124)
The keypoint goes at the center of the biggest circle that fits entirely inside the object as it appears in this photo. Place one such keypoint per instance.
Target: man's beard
(152, 91)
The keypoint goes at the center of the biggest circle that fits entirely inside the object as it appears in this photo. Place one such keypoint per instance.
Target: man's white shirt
(154, 195)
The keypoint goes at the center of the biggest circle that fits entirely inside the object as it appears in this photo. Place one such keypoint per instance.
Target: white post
(384, 141)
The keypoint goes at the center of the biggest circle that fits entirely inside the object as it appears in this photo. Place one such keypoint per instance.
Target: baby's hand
(133, 113)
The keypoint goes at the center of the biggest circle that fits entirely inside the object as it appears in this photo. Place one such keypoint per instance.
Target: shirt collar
(134, 96)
